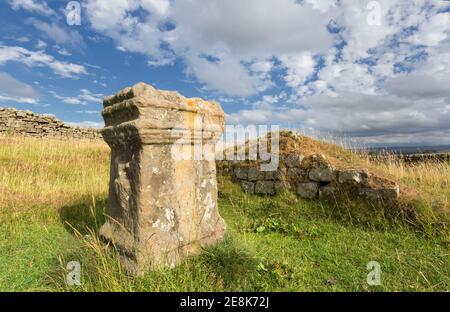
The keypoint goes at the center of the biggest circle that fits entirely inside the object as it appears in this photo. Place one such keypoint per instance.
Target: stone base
(138, 257)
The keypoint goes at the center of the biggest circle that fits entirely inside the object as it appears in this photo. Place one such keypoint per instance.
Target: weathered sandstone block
(327, 191)
(308, 190)
(272, 175)
(265, 187)
(254, 174)
(353, 176)
(163, 188)
(241, 173)
(386, 194)
(248, 187)
(281, 186)
(293, 160)
(296, 174)
(321, 174)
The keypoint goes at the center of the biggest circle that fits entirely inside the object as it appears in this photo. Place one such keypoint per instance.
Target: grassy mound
(53, 197)
(290, 142)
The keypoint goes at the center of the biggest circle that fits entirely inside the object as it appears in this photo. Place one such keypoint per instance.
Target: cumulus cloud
(433, 31)
(131, 32)
(240, 33)
(228, 76)
(298, 66)
(238, 37)
(40, 59)
(249, 29)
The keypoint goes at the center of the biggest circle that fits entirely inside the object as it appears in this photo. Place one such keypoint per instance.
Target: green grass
(53, 199)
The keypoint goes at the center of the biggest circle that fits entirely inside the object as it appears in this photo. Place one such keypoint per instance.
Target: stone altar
(163, 188)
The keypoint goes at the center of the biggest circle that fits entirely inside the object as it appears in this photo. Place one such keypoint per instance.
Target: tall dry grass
(53, 173)
(50, 172)
(425, 190)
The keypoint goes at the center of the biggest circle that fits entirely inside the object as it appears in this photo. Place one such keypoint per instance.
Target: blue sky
(374, 71)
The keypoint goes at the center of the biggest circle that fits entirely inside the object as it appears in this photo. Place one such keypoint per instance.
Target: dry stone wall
(27, 123)
(413, 158)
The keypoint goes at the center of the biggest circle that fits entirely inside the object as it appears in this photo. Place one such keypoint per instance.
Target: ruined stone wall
(310, 177)
(27, 123)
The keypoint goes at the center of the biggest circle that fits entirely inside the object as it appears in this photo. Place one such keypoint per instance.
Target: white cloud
(58, 32)
(433, 31)
(40, 45)
(359, 34)
(256, 116)
(18, 99)
(227, 75)
(261, 67)
(22, 39)
(249, 28)
(40, 59)
(62, 51)
(88, 96)
(12, 89)
(35, 6)
(268, 101)
(322, 5)
(85, 97)
(89, 112)
(348, 76)
(299, 66)
(131, 33)
(429, 80)
(87, 124)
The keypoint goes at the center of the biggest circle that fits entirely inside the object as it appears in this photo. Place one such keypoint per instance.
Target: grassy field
(53, 196)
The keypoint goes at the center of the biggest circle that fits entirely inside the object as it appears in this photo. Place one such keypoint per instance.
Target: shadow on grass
(84, 215)
(222, 267)
(234, 265)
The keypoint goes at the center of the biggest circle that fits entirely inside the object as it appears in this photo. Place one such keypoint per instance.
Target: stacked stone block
(310, 177)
